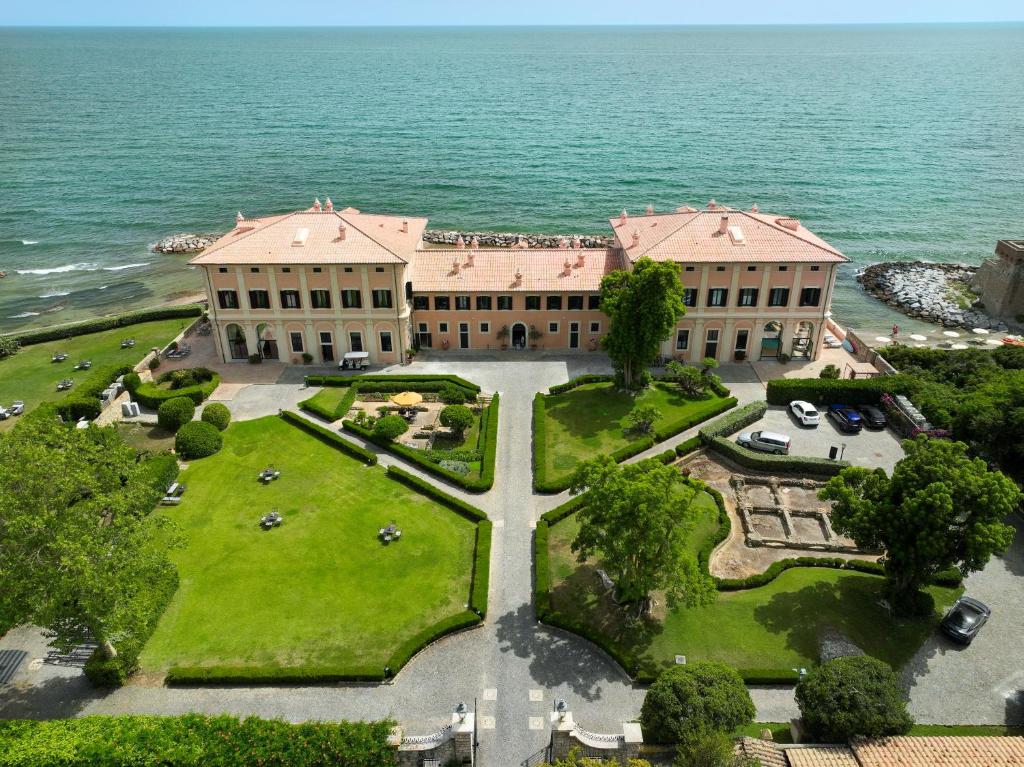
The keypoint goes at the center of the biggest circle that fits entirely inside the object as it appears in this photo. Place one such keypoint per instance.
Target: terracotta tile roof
(765, 751)
(693, 236)
(949, 751)
(369, 239)
(821, 756)
(495, 270)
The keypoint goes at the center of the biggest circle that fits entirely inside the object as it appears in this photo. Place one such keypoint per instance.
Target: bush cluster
(330, 438)
(862, 391)
(28, 337)
(217, 413)
(457, 417)
(175, 413)
(694, 697)
(390, 427)
(197, 439)
(153, 394)
(783, 464)
(732, 423)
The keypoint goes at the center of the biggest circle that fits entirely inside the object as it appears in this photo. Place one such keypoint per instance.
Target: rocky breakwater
(184, 243)
(514, 239)
(939, 293)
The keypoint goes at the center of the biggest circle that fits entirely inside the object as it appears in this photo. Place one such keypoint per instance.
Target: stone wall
(514, 239)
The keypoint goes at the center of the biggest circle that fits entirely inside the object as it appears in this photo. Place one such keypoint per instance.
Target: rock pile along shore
(512, 239)
(184, 243)
(939, 293)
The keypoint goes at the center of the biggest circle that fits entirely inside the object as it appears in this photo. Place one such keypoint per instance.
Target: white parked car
(765, 441)
(804, 412)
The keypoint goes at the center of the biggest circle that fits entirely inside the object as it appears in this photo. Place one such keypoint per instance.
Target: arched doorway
(266, 342)
(803, 341)
(518, 336)
(771, 340)
(237, 347)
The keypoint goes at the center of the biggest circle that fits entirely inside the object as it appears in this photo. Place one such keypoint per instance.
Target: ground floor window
(326, 346)
(485, 327)
(236, 342)
(682, 340)
(595, 327)
(385, 341)
(296, 341)
(442, 327)
(355, 341)
(552, 327)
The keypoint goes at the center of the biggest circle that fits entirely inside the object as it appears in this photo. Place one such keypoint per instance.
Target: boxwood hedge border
(861, 391)
(58, 332)
(330, 438)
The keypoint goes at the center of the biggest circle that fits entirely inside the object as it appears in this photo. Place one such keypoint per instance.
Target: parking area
(869, 448)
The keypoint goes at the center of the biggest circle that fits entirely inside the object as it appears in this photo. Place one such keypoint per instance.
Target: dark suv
(965, 619)
(846, 418)
(872, 416)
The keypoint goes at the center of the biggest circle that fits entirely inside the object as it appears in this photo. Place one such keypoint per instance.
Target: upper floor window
(483, 303)
(690, 268)
(751, 268)
(594, 301)
(718, 296)
(379, 269)
(783, 268)
(381, 299)
(288, 270)
(810, 296)
(222, 269)
(815, 268)
(259, 299)
(227, 299)
(533, 302)
(689, 296)
(351, 299)
(575, 303)
(554, 303)
(778, 297)
(320, 299)
(290, 299)
(316, 269)
(348, 269)
(421, 302)
(748, 297)
(719, 268)
(254, 269)
(505, 303)
(462, 303)
(442, 303)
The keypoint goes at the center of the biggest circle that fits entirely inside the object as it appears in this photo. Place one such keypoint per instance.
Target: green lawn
(145, 438)
(319, 590)
(589, 420)
(775, 626)
(30, 375)
(328, 399)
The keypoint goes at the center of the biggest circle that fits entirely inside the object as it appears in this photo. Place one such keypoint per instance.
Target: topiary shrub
(217, 413)
(451, 395)
(175, 413)
(687, 699)
(830, 372)
(390, 427)
(197, 439)
(457, 417)
(853, 697)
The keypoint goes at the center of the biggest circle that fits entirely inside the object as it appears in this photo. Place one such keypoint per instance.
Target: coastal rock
(512, 239)
(939, 293)
(184, 243)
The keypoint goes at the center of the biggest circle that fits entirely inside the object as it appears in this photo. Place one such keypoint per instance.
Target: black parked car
(846, 418)
(872, 416)
(965, 619)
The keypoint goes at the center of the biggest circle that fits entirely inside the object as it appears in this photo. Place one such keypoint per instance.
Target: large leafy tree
(77, 542)
(693, 699)
(939, 509)
(637, 519)
(643, 306)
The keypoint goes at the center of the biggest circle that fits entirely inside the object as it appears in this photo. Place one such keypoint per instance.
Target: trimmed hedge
(29, 337)
(688, 446)
(489, 440)
(159, 470)
(344, 405)
(481, 568)
(85, 401)
(330, 438)
(674, 428)
(151, 395)
(470, 512)
(862, 391)
(175, 413)
(733, 422)
(217, 413)
(580, 381)
(785, 464)
(542, 573)
(197, 439)
(410, 382)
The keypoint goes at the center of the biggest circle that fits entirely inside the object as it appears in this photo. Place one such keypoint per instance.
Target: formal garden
(322, 594)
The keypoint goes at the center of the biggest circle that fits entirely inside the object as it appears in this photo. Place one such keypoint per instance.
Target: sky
(497, 12)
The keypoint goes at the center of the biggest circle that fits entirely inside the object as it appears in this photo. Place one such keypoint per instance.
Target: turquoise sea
(893, 142)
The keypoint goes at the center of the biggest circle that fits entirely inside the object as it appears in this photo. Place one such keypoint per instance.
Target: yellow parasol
(407, 399)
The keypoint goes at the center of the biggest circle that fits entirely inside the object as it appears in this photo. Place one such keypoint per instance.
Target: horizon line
(649, 25)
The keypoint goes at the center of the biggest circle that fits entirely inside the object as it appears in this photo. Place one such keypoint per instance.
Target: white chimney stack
(650, 210)
(405, 225)
(519, 276)
(723, 225)
(329, 206)
(623, 217)
(636, 238)
(563, 243)
(576, 242)
(712, 205)
(475, 242)
(316, 204)
(469, 258)
(341, 231)
(754, 208)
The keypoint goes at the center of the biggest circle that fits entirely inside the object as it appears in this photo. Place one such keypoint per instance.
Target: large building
(323, 282)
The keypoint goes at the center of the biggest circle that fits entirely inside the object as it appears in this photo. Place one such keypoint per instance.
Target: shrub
(687, 446)
(8, 346)
(175, 413)
(855, 697)
(330, 438)
(733, 422)
(307, 358)
(457, 417)
(390, 427)
(451, 395)
(197, 439)
(685, 699)
(459, 467)
(218, 414)
(641, 419)
(830, 371)
(783, 358)
(159, 470)
(151, 394)
(787, 464)
(154, 362)
(255, 358)
(862, 391)
(84, 401)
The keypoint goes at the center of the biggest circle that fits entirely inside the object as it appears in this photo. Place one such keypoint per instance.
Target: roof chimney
(636, 238)
(405, 225)
(650, 210)
(341, 231)
(469, 258)
(475, 242)
(581, 259)
(576, 242)
(239, 218)
(519, 275)
(712, 205)
(522, 243)
(567, 268)
(329, 206)
(623, 217)
(723, 225)
(754, 208)
(460, 243)
(455, 266)
(563, 243)
(316, 204)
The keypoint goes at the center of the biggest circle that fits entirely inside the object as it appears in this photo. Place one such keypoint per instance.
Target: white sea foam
(55, 293)
(30, 242)
(82, 267)
(125, 266)
(22, 316)
(103, 287)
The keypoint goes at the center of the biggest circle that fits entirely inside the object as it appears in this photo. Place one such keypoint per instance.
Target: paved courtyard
(512, 667)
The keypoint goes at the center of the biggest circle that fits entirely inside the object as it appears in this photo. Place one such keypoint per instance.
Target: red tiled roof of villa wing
(368, 239)
(696, 236)
(495, 269)
(941, 751)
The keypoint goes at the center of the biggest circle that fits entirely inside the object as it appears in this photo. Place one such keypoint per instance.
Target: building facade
(315, 284)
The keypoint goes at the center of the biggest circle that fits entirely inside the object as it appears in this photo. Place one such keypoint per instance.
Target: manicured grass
(320, 590)
(589, 420)
(328, 399)
(775, 626)
(30, 375)
(145, 438)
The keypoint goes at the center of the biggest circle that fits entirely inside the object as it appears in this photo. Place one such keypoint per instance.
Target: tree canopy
(637, 519)
(643, 307)
(690, 700)
(457, 417)
(391, 427)
(939, 509)
(77, 542)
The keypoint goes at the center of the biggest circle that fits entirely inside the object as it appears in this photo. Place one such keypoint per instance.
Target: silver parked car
(804, 412)
(766, 441)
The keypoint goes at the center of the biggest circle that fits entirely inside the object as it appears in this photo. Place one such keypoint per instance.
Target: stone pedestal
(462, 735)
(633, 739)
(562, 726)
